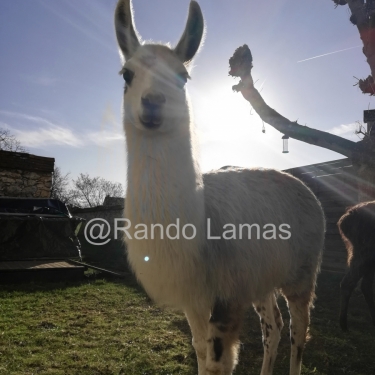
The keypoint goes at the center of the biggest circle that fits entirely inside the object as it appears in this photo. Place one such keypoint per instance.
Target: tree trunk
(363, 158)
(363, 16)
(366, 183)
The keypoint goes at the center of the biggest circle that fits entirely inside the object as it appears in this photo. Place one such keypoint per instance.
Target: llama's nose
(152, 103)
(153, 98)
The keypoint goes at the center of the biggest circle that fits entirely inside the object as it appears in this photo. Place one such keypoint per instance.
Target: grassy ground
(111, 327)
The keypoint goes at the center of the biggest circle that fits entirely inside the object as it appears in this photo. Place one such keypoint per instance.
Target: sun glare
(230, 132)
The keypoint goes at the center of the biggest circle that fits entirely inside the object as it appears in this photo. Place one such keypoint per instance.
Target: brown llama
(357, 229)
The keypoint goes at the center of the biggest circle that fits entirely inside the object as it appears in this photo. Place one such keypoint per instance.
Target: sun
(229, 131)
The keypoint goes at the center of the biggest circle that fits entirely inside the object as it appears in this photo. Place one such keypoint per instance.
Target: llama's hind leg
(271, 324)
(299, 309)
(367, 289)
(198, 323)
(223, 332)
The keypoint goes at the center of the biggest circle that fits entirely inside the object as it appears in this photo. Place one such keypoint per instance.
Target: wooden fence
(335, 185)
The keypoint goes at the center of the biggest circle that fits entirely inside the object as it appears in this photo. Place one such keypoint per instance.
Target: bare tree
(60, 184)
(8, 142)
(91, 191)
(362, 153)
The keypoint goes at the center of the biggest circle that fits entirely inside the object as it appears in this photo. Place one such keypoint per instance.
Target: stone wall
(25, 175)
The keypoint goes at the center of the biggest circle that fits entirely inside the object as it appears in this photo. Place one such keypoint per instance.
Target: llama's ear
(191, 39)
(126, 33)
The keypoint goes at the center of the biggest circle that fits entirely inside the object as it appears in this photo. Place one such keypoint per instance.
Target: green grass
(102, 327)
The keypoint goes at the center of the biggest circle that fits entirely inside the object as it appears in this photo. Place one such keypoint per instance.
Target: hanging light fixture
(285, 144)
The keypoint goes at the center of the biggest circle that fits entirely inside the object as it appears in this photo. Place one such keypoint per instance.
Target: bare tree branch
(8, 142)
(241, 65)
(91, 191)
(59, 187)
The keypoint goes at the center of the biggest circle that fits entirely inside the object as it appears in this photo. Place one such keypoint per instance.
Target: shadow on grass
(182, 325)
(89, 277)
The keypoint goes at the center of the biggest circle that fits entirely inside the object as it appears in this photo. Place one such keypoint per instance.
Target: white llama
(211, 270)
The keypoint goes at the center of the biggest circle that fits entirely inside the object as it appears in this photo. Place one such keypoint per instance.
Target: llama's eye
(128, 76)
(182, 79)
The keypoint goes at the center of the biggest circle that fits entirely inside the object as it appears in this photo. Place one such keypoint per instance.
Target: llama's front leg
(367, 289)
(348, 283)
(299, 309)
(223, 332)
(271, 324)
(198, 323)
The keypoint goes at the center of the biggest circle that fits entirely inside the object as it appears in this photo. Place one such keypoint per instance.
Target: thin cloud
(105, 138)
(53, 135)
(41, 132)
(24, 116)
(326, 54)
(43, 80)
(345, 131)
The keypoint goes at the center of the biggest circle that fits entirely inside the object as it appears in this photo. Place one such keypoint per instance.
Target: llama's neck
(164, 179)
(165, 185)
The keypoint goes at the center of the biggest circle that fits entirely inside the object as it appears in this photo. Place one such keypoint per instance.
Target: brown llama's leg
(271, 323)
(223, 333)
(299, 309)
(348, 283)
(367, 289)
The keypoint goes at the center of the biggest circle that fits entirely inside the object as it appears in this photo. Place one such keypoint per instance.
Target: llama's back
(357, 229)
(287, 232)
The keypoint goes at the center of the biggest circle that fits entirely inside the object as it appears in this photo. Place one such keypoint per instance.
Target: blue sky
(61, 94)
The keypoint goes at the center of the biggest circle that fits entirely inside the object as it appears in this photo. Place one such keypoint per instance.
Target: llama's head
(155, 75)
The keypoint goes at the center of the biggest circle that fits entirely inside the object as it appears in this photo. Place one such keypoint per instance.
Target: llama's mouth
(151, 121)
